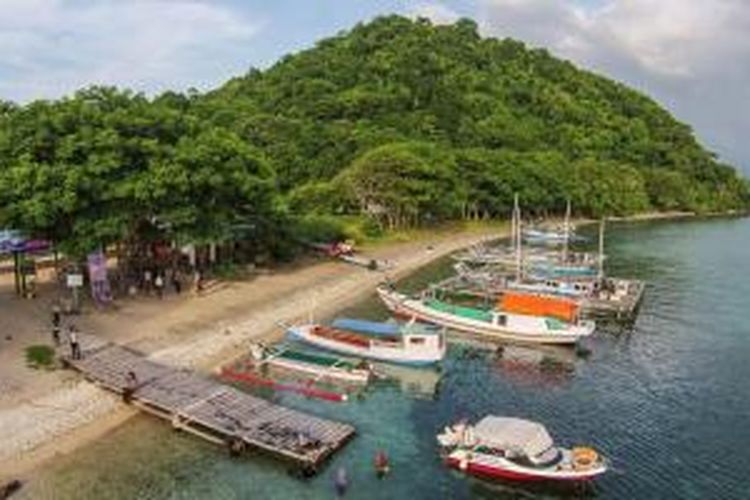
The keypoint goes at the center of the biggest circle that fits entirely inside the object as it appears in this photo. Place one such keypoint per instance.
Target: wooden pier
(219, 413)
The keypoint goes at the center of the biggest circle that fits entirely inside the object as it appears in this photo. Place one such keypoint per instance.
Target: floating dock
(216, 412)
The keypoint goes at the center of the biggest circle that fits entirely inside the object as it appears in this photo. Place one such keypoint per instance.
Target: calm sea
(668, 399)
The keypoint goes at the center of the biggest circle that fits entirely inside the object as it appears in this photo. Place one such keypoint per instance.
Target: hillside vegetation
(397, 120)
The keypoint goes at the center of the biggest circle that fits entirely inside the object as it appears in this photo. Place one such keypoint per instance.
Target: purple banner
(100, 290)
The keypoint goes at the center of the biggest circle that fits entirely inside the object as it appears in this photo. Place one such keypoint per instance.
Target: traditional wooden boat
(410, 344)
(519, 318)
(318, 365)
(550, 236)
(516, 449)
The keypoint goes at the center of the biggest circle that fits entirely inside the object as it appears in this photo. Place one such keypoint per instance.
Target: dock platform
(214, 411)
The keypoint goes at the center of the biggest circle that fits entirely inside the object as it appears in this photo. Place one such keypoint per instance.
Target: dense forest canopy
(397, 120)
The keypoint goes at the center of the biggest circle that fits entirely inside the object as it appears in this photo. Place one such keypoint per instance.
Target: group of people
(71, 333)
(156, 281)
(382, 467)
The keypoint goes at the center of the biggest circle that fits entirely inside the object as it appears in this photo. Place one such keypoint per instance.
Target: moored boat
(321, 366)
(550, 236)
(516, 449)
(410, 344)
(547, 321)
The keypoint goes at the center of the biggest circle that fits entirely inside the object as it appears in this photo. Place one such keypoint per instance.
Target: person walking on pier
(75, 347)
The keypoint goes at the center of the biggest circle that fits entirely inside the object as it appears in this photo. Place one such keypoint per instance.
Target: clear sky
(691, 55)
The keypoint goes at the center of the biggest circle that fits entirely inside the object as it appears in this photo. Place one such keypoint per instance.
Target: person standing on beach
(56, 319)
(176, 283)
(75, 347)
(159, 285)
(198, 282)
(147, 280)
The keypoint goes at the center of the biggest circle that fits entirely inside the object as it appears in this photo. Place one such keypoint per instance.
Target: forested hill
(481, 117)
(397, 122)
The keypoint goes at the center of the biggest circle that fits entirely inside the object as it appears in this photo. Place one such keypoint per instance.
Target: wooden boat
(318, 365)
(540, 326)
(409, 344)
(516, 449)
(550, 236)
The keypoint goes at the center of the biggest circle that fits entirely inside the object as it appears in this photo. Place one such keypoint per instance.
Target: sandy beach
(43, 414)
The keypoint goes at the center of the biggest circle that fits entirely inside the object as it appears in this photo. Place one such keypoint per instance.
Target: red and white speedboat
(516, 449)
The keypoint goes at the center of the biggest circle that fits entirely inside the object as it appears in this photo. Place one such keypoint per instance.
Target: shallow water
(666, 399)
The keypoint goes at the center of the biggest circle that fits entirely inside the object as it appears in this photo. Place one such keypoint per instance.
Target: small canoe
(320, 366)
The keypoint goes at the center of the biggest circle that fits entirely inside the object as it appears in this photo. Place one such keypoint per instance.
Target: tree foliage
(399, 119)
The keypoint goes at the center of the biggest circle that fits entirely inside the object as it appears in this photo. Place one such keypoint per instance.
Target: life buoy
(584, 457)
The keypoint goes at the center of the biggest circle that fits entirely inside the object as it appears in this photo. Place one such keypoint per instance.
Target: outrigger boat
(550, 236)
(516, 449)
(410, 344)
(320, 366)
(519, 317)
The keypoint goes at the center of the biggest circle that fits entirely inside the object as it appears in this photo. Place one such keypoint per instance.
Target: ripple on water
(666, 399)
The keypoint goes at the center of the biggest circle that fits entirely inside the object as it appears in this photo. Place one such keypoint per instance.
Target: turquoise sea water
(667, 399)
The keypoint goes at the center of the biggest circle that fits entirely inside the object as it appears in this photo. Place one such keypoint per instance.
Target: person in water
(382, 464)
(341, 482)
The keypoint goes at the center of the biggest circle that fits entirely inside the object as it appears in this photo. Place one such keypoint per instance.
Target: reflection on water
(412, 381)
(665, 398)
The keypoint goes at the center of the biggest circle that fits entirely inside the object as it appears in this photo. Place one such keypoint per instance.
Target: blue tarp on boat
(368, 327)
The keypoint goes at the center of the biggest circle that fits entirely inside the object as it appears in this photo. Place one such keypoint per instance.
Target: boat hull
(493, 468)
(303, 334)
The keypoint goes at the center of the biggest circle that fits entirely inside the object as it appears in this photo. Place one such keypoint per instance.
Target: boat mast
(566, 228)
(601, 249)
(517, 228)
(513, 222)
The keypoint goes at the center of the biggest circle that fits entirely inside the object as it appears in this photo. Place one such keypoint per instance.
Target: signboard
(75, 280)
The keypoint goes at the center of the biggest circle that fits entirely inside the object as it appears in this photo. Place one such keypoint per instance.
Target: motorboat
(516, 449)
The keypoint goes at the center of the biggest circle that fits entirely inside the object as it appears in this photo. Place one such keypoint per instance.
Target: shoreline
(37, 431)
(66, 420)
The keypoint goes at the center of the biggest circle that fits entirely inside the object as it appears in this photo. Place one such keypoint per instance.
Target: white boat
(320, 366)
(410, 344)
(516, 449)
(494, 324)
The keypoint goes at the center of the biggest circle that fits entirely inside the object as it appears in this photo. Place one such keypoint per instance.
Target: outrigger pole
(517, 236)
(566, 226)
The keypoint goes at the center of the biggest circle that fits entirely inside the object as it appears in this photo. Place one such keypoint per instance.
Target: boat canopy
(367, 327)
(538, 305)
(525, 436)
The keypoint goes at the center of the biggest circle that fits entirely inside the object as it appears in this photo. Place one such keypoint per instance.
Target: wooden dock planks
(207, 408)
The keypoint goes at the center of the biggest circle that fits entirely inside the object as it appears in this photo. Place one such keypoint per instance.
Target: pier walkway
(207, 408)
